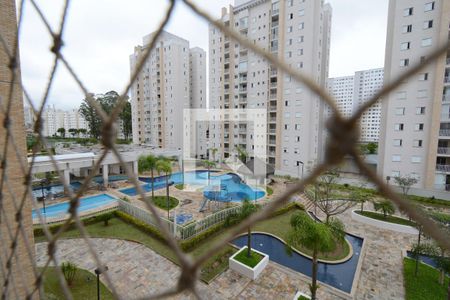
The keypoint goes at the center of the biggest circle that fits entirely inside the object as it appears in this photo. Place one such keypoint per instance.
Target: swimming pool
(339, 275)
(86, 203)
(54, 189)
(225, 187)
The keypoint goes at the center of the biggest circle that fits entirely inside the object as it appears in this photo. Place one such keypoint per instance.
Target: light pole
(299, 162)
(99, 271)
(43, 181)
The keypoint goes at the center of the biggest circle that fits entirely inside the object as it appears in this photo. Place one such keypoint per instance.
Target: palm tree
(209, 164)
(151, 162)
(385, 206)
(315, 236)
(165, 167)
(248, 208)
(214, 151)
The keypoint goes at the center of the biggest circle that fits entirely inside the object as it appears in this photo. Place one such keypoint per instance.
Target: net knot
(343, 136)
(108, 134)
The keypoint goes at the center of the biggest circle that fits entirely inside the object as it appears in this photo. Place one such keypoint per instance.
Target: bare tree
(405, 182)
(325, 196)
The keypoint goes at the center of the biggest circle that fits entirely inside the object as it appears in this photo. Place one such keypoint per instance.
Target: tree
(69, 271)
(165, 167)
(82, 131)
(209, 164)
(324, 195)
(315, 236)
(372, 148)
(125, 116)
(248, 208)
(385, 206)
(359, 196)
(73, 131)
(214, 151)
(405, 182)
(242, 154)
(62, 132)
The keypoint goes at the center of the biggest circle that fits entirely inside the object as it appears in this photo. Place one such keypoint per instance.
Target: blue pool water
(228, 187)
(54, 189)
(339, 276)
(85, 204)
(111, 178)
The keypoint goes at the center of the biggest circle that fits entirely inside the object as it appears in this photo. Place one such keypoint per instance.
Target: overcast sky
(101, 34)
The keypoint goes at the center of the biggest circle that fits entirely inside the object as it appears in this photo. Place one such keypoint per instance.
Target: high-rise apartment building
(415, 126)
(350, 92)
(57, 118)
(197, 92)
(298, 32)
(16, 278)
(162, 90)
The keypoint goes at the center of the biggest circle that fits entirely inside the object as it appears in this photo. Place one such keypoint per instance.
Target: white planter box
(245, 270)
(298, 294)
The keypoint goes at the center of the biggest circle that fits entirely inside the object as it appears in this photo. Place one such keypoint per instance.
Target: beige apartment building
(297, 32)
(16, 277)
(415, 123)
(163, 90)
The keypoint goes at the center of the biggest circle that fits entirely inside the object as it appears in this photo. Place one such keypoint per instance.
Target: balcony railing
(443, 168)
(272, 119)
(273, 85)
(443, 150)
(274, 141)
(446, 79)
(444, 132)
(273, 73)
(446, 98)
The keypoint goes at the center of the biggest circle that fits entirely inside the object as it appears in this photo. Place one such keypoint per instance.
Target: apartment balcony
(242, 79)
(443, 168)
(442, 187)
(443, 151)
(272, 120)
(273, 73)
(274, 142)
(273, 96)
(446, 79)
(243, 58)
(242, 90)
(448, 61)
(272, 131)
(274, 49)
(273, 85)
(444, 132)
(275, 12)
(226, 60)
(445, 116)
(446, 98)
(272, 108)
(226, 91)
(271, 153)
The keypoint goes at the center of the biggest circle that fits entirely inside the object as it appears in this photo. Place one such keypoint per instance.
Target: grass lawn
(390, 219)
(161, 202)
(280, 226)
(251, 261)
(269, 191)
(426, 285)
(83, 287)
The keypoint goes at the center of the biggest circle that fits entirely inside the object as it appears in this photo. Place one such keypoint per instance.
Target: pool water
(225, 187)
(86, 203)
(339, 276)
(111, 178)
(54, 189)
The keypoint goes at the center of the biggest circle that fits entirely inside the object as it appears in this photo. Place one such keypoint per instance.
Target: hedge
(39, 231)
(140, 225)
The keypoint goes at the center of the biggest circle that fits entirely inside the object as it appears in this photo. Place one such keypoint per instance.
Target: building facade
(57, 118)
(17, 278)
(415, 126)
(297, 32)
(351, 92)
(163, 90)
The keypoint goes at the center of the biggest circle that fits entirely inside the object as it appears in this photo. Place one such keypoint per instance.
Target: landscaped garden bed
(249, 266)
(161, 202)
(425, 285)
(301, 296)
(388, 218)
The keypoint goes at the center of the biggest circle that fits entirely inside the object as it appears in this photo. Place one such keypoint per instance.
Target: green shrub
(189, 244)
(105, 218)
(153, 231)
(269, 191)
(69, 270)
(180, 186)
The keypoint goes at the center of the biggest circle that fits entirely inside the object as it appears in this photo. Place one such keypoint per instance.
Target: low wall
(384, 225)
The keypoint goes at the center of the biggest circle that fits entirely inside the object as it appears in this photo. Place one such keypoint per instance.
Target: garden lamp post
(99, 271)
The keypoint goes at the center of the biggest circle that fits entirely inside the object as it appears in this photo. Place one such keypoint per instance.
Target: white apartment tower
(298, 32)
(162, 91)
(415, 126)
(197, 99)
(57, 118)
(350, 92)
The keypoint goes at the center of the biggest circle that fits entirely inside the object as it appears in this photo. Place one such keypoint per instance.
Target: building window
(429, 6)
(420, 110)
(408, 11)
(426, 42)
(399, 127)
(289, 29)
(407, 28)
(401, 95)
(395, 173)
(416, 159)
(396, 158)
(404, 62)
(400, 111)
(423, 76)
(428, 24)
(301, 25)
(419, 127)
(285, 162)
(405, 46)
(398, 142)
(417, 143)
(301, 12)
